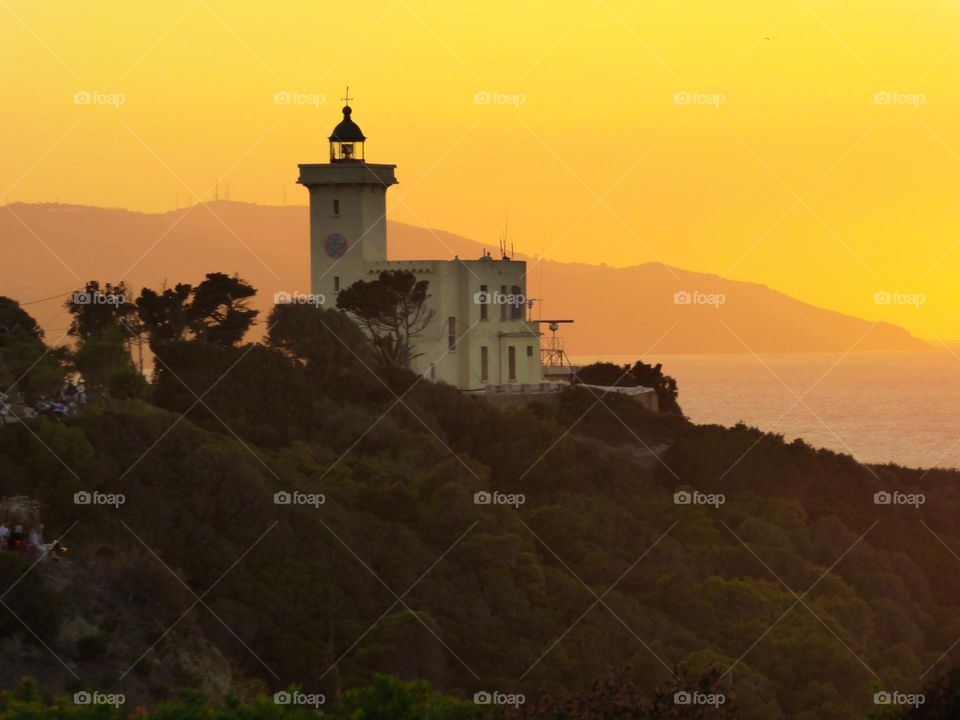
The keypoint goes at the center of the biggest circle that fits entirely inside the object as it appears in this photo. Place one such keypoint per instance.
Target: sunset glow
(787, 143)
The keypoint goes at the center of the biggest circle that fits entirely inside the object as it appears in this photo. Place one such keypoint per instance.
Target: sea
(879, 407)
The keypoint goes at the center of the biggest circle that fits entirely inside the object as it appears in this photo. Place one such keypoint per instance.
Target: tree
(390, 699)
(104, 362)
(106, 323)
(334, 351)
(639, 374)
(386, 699)
(96, 309)
(26, 363)
(940, 701)
(220, 310)
(393, 311)
(215, 311)
(317, 337)
(16, 324)
(666, 386)
(164, 314)
(616, 697)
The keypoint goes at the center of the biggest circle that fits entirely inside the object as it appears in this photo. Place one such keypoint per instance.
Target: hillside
(51, 249)
(398, 569)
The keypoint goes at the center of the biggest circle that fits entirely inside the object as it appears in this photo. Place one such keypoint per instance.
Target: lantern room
(346, 140)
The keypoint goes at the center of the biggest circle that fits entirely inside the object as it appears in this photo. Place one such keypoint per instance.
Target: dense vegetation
(640, 373)
(798, 596)
(384, 699)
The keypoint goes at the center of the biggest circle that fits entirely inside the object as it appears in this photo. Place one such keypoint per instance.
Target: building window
(512, 363)
(529, 350)
(336, 283)
(516, 307)
(336, 207)
(503, 305)
(484, 298)
(452, 333)
(484, 364)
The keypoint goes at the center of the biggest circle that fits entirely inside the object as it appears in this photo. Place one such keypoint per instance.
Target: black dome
(347, 130)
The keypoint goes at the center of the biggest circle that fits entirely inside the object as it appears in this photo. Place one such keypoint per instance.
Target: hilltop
(392, 565)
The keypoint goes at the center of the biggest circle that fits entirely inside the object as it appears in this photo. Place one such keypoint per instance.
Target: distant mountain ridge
(51, 248)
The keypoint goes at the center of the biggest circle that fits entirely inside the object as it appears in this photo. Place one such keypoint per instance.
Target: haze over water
(901, 407)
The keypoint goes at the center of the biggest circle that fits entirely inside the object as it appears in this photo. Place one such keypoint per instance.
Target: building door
(512, 362)
(484, 364)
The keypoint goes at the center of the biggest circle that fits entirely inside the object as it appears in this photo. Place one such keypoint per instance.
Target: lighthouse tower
(348, 208)
(477, 336)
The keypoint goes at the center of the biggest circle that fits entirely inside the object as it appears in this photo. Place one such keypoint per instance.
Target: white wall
(453, 284)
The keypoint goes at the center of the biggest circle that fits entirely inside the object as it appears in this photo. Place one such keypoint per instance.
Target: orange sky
(784, 167)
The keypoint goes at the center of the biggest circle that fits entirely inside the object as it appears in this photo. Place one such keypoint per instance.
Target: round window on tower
(335, 246)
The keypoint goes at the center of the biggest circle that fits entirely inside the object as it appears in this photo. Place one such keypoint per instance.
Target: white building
(479, 336)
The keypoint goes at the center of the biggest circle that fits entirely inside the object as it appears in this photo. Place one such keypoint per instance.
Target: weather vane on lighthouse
(346, 96)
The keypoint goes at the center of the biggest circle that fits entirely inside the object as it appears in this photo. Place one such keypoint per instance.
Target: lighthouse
(479, 338)
(348, 208)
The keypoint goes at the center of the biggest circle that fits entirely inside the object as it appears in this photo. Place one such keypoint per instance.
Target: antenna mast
(503, 239)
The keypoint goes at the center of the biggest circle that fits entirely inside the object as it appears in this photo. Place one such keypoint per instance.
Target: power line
(34, 302)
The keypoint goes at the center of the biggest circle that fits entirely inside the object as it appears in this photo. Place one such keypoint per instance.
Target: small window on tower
(336, 207)
(336, 283)
(451, 334)
(516, 304)
(529, 350)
